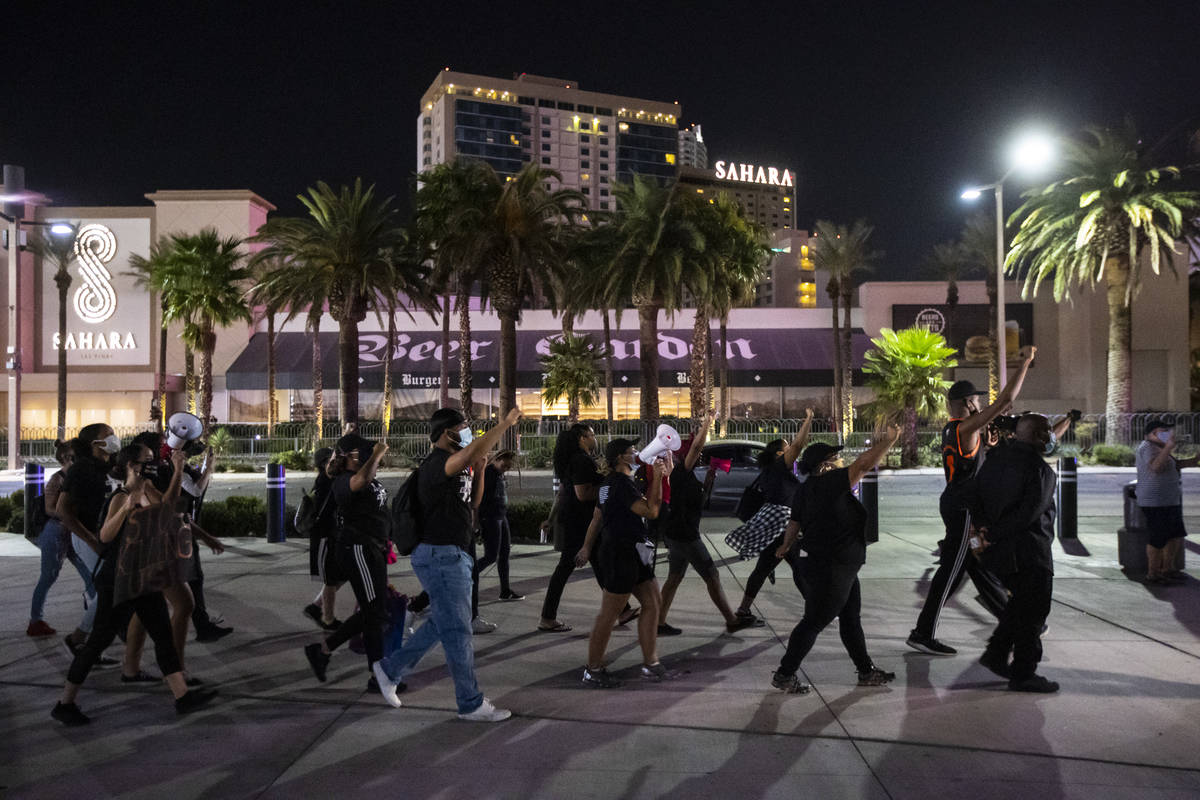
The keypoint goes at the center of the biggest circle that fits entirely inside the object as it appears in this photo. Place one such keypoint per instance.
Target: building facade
(693, 152)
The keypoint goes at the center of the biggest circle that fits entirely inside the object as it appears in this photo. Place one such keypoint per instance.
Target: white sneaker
(387, 686)
(481, 625)
(487, 713)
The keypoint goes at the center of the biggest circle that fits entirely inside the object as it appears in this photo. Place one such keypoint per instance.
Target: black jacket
(1012, 495)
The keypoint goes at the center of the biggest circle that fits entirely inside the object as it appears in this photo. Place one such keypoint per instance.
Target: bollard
(35, 480)
(869, 489)
(276, 488)
(1068, 498)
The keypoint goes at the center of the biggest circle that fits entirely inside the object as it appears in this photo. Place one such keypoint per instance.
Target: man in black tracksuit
(962, 449)
(1012, 503)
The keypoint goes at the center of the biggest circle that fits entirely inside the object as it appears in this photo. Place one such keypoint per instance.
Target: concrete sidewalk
(1124, 724)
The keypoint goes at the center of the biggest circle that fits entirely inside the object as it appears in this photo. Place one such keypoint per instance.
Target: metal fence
(408, 439)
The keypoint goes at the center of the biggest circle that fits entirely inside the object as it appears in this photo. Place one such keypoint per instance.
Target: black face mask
(150, 471)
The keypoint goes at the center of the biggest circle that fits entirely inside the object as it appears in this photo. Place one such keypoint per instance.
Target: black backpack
(751, 501)
(407, 525)
(308, 515)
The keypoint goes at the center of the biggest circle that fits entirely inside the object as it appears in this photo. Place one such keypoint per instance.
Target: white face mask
(1052, 444)
(112, 444)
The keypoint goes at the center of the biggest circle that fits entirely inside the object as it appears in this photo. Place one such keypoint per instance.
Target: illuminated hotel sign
(749, 173)
(108, 314)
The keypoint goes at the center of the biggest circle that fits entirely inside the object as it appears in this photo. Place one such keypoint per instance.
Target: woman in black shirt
(833, 523)
(626, 561)
(322, 546)
(493, 520)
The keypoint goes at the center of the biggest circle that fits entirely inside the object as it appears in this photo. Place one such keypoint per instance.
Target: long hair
(566, 446)
(83, 442)
(63, 449)
(766, 457)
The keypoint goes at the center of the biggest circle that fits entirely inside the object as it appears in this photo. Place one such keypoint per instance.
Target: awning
(757, 357)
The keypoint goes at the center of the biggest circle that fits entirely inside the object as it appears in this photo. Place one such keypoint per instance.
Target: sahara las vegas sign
(749, 173)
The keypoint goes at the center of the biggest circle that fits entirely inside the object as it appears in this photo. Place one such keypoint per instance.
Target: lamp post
(1031, 152)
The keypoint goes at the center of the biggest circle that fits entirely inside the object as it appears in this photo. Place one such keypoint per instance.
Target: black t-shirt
(326, 507)
(778, 483)
(958, 465)
(832, 520)
(445, 502)
(576, 513)
(687, 497)
(495, 493)
(87, 485)
(365, 517)
(621, 526)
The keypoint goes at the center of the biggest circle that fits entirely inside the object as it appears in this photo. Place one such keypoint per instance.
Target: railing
(409, 440)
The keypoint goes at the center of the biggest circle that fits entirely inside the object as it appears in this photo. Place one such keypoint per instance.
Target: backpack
(750, 502)
(307, 513)
(37, 519)
(407, 525)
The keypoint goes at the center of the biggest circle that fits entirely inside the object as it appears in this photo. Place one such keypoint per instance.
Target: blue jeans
(91, 601)
(445, 573)
(55, 548)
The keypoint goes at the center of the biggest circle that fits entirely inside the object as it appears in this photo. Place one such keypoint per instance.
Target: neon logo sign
(748, 173)
(95, 300)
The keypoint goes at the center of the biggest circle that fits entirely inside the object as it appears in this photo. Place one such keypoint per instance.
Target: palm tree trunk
(993, 343)
(465, 398)
(836, 410)
(162, 373)
(908, 448)
(63, 286)
(568, 323)
(444, 374)
(726, 395)
(208, 344)
(272, 400)
(573, 407)
(951, 308)
(318, 376)
(508, 367)
(189, 377)
(697, 374)
(608, 366)
(847, 360)
(708, 366)
(348, 368)
(389, 352)
(648, 339)
(1119, 400)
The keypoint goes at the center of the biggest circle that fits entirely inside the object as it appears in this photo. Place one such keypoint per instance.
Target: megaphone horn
(666, 438)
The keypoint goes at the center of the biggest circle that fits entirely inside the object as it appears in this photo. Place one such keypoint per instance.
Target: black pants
(366, 568)
(562, 572)
(833, 592)
(1020, 628)
(156, 619)
(957, 561)
(768, 561)
(497, 544)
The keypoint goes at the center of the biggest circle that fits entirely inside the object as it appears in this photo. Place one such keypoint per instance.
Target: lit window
(624, 126)
(585, 177)
(699, 191)
(670, 157)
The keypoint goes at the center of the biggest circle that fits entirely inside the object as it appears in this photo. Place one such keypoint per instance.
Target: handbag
(750, 502)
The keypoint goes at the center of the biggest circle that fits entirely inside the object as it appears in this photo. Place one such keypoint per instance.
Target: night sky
(884, 110)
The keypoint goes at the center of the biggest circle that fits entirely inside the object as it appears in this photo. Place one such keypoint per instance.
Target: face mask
(636, 455)
(149, 470)
(1051, 444)
(112, 444)
(465, 437)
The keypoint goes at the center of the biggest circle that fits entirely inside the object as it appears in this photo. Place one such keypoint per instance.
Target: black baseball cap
(442, 420)
(962, 390)
(353, 443)
(614, 449)
(1154, 424)
(815, 455)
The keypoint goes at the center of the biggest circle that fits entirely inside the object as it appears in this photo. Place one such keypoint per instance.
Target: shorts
(681, 553)
(1163, 523)
(328, 568)
(621, 569)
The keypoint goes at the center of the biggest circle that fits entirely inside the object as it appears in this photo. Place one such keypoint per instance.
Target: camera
(1005, 424)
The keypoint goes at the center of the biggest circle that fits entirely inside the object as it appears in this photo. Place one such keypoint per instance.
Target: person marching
(763, 533)
(626, 557)
(681, 529)
(962, 448)
(322, 547)
(1160, 496)
(493, 522)
(442, 562)
(833, 524)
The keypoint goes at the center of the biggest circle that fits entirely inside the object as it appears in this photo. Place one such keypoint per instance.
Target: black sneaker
(789, 683)
(69, 714)
(600, 679)
(1034, 683)
(929, 645)
(875, 677)
(194, 699)
(997, 663)
(210, 633)
(657, 672)
(318, 660)
(510, 595)
(750, 620)
(313, 612)
(668, 630)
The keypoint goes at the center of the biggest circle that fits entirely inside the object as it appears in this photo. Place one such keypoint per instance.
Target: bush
(1114, 455)
(538, 458)
(525, 518)
(6, 510)
(17, 523)
(242, 466)
(18, 499)
(221, 468)
(235, 516)
(298, 460)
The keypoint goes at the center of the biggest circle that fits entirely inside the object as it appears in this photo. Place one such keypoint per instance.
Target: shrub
(299, 460)
(17, 523)
(18, 499)
(1114, 455)
(242, 466)
(221, 468)
(525, 518)
(235, 516)
(538, 458)
(6, 510)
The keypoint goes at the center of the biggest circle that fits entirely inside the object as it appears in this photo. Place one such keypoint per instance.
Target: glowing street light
(61, 229)
(1031, 153)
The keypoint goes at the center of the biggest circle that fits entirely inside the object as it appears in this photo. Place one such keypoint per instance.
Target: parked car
(722, 495)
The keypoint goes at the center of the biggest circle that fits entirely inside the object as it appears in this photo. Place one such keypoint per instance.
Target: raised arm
(969, 428)
(366, 473)
(871, 457)
(651, 504)
(792, 451)
(178, 459)
(459, 461)
(698, 440)
(206, 472)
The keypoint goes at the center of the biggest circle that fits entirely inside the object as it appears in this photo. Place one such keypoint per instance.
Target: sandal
(557, 627)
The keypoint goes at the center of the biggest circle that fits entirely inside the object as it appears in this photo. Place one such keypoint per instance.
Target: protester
(1160, 497)
(681, 529)
(763, 533)
(962, 447)
(626, 558)
(442, 563)
(322, 546)
(479, 625)
(135, 533)
(1012, 502)
(493, 520)
(833, 523)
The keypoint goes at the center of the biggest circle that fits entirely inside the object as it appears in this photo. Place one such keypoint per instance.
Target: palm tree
(571, 372)
(60, 250)
(979, 243)
(259, 295)
(201, 278)
(905, 368)
(1094, 226)
(844, 253)
(143, 267)
(345, 250)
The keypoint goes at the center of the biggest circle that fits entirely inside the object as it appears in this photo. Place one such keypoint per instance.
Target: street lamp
(1030, 153)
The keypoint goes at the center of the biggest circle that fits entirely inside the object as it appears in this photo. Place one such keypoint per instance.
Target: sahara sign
(749, 173)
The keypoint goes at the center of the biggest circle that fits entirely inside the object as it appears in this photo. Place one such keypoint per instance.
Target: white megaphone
(666, 438)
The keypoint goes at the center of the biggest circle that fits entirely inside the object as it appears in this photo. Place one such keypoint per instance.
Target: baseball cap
(962, 390)
(1156, 423)
(614, 449)
(815, 455)
(352, 442)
